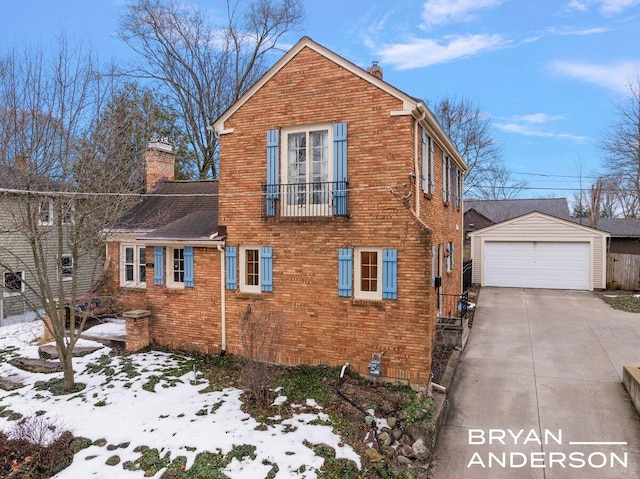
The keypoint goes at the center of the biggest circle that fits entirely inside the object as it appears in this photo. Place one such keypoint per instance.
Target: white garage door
(535, 264)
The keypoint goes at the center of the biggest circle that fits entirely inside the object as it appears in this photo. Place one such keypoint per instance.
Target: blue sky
(548, 72)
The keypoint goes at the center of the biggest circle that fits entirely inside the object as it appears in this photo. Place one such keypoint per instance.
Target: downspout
(417, 150)
(223, 306)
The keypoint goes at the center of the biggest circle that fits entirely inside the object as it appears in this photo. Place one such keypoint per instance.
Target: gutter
(223, 305)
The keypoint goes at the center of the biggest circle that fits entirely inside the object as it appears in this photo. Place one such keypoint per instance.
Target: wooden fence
(623, 271)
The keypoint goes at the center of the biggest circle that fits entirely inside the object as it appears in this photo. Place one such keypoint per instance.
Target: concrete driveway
(543, 369)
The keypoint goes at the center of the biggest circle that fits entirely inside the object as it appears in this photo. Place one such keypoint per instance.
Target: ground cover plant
(177, 415)
(624, 301)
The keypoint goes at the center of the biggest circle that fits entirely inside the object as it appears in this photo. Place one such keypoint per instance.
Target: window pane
(178, 265)
(45, 211)
(13, 282)
(67, 266)
(128, 272)
(128, 255)
(253, 268)
(369, 271)
(142, 266)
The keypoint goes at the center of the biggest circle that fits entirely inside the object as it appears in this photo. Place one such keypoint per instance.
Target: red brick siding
(321, 326)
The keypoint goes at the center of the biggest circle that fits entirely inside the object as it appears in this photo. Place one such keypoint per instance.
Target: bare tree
(205, 68)
(57, 196)
(470, 130)
(621, 146)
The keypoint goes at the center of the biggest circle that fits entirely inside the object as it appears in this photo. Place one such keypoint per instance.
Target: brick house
(341, 200)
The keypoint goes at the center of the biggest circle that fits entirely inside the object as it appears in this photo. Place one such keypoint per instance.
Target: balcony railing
(300, 200)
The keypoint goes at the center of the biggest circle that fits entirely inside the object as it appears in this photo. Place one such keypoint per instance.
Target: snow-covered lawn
(170, 414)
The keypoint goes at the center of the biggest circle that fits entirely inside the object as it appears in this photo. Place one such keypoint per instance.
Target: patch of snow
(279, 401)
(106, 330)
(313, 403)
(177, 418)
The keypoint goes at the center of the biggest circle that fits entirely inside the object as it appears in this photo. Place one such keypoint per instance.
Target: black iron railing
(466, 274)
(301, 200)
(453, 308)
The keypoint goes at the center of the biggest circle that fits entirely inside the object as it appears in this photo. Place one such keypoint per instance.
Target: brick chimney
(160, 159)
(375, 70)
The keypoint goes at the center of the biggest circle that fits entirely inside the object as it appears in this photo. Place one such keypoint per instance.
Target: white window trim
(49, 203)
(449, 256)
(71, 212)
(22, 286)
(305, 210)
(357, 291)
(136, 283)
(169, 268)
(242, 280)
(70, 276)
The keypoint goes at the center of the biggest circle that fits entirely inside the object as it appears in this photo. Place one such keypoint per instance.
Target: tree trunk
(65, 355)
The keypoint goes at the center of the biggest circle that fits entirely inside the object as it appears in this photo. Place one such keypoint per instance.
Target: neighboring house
(19, 223)
(623, 260)
(538, 250)
(479, 214)
(341, 200)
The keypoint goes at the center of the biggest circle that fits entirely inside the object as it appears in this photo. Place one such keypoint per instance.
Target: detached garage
(539, 251)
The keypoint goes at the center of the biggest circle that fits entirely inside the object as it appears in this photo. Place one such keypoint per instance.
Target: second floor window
(45, 212)
(307, 171)
(308, 168)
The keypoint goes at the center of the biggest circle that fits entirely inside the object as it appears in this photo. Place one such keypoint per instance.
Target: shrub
(261, 342)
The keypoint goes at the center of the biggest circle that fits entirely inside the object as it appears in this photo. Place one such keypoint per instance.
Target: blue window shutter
(158, 265)
(266, 266)
(448, 178)
(423, 144)
(433, 265)
(340, 169)
(231, 267)
(432, 180)
(188, 267)
(273, 170)
(444, 177)
(345, 272)
(389, 274)
(453, 254)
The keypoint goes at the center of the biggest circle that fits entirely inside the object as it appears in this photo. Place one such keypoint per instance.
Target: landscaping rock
(7, 384)
(397, 434)
(49, 351)
(416, 433)
(385, 439)
(420, 450)
(392, 421)
(37, 365)
(373, 455)
(406, 451)
(403, 460)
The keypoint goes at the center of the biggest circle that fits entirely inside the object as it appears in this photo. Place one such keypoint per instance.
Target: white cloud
(537, 125)
(579, 31)
(422, 52)
(607, 7)
(437, 12)
(539, 118)
(614, 76)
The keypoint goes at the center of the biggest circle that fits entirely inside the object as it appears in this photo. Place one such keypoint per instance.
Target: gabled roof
(568, 222)
(410, 105)
(620, 227)
(175, 211)
(502, 210)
